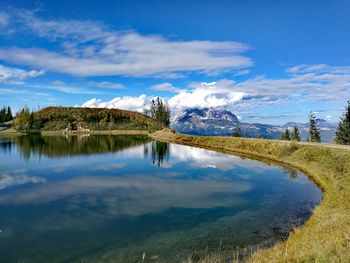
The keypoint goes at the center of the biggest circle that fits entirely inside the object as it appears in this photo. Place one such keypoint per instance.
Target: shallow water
(115, 198)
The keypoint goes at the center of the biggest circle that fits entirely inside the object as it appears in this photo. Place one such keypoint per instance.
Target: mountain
(205, 121)
(208, 114)
(209, 121)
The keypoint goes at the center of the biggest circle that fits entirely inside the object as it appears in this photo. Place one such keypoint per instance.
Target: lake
(118, 198)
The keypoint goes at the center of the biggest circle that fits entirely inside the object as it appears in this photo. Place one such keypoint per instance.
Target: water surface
(113, 198)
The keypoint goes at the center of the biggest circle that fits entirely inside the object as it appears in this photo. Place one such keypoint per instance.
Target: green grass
(325, 237)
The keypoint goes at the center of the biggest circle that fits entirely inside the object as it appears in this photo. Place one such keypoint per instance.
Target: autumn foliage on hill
(74, 118)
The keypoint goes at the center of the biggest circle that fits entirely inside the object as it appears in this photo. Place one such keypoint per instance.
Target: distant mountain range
(209, 121)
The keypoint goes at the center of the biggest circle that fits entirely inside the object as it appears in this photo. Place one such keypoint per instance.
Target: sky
(266, 61)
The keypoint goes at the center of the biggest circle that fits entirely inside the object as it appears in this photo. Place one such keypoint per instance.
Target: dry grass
(326, 235)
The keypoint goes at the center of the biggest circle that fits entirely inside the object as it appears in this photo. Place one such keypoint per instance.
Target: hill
(74, 118)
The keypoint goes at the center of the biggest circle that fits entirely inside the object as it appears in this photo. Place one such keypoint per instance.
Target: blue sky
(266, 61)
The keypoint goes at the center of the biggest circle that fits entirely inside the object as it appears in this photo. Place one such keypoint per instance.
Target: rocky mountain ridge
(209, 121)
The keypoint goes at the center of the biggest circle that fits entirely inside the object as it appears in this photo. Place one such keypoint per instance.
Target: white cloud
(125, 103)
(9, 180)
(19, 92)
(242, 72)
(16, 75)
(319, 68)
(60, 86)
(89, 49)
(106, 84)
(311, 83)
(72, 90)
(166, 87)
(215, 94)
(319, 86)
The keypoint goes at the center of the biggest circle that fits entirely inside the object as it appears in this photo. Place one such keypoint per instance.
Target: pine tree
(342, 135)
(31, 122)
(9, 114)
(313, 130)
(23, 119)
(237, 132)
(295, 136)
(5, 114)
(159, 111)
(2, 115)
(285, 135)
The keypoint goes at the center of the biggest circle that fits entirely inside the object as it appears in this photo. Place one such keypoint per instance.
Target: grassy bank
(326, 235)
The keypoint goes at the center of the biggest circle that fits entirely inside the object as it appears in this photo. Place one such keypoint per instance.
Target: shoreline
(5, 133)
(325, 237)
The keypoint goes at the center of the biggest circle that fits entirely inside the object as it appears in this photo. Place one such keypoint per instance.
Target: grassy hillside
(72, 118)
(326, 235)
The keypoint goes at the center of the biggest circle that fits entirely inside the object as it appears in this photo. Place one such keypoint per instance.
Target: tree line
(159, 110)
(6, 114)
(294, 135)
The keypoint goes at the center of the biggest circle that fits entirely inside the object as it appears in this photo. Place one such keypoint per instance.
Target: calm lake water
(113, 198)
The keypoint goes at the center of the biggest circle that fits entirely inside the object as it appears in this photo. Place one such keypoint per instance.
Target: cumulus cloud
(202, 95)
(90, 49)
(315, 85)
(16, 75)
(125, 103)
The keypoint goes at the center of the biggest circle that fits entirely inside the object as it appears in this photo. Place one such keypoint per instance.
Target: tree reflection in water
(159, 152)
(56, 146)
(293, 174)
